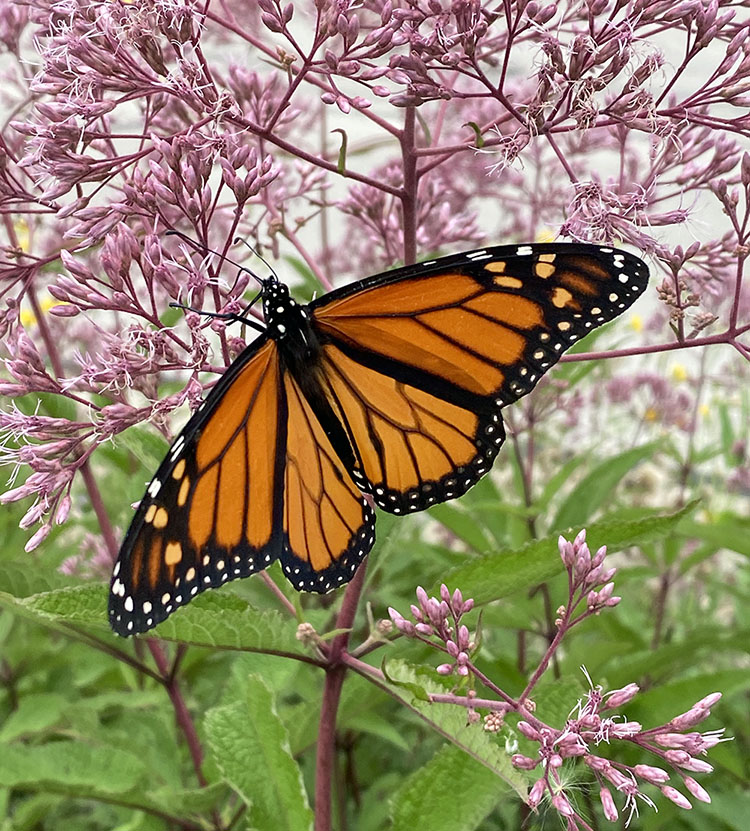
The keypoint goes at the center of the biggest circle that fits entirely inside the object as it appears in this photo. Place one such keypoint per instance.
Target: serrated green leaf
(450, 722)
(250, 746)
(225, 620)
(70, 767)
(596, 487)
(74, 604)
(417, 690)
(506, 572)
(428, 798)
(34, 714)
(218, 619)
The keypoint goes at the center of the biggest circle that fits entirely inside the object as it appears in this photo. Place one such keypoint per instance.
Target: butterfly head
(284, 316)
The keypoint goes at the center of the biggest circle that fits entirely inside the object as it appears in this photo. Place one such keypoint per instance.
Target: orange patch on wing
(232, 410)
(202, 507)
(402, 298)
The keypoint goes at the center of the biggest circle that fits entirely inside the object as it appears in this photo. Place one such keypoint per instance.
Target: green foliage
(257, 760)
(431, 791)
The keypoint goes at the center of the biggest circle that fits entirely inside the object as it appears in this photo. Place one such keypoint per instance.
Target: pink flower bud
(678, 757)
(708, 701)
(523, 762)
(619, 780)
(561, 805)
(698, 766)
(608, 804)
(536, 793)
(675, 796)
(566, 551)
(617, 698)
(654, 775)
(625, 729)
(695, 715)
(38, 538)
(32, 515)
(63, 509)
(697, 790)
(527, 730)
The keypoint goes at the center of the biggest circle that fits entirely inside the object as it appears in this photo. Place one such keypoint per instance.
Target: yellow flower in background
(636, 323)
(679, 373)
(27, 316)
(650, 414)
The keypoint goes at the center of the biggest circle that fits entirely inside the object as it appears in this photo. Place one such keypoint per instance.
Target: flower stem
(335, 672)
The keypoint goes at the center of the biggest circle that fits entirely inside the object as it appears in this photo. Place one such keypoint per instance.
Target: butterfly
(391, 387)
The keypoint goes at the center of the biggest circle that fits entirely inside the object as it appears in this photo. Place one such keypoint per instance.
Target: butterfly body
(391, 387)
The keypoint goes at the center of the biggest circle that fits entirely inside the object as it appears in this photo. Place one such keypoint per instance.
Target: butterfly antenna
(240, 318)
(262, 259)
(204, 249)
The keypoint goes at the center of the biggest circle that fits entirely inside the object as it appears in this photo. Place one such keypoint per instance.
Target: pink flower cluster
(594, 722)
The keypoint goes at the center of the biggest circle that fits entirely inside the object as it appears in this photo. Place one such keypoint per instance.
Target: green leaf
(556, 481)
(183, 803)
(218, 619)
(459, 520)
(428, 798)
(450, 721)
(70, 767)
(225, 620)
(22, 578)
(724, 531)
(597, 486)
(250, 746)
(35, 713)
(417, 690)
(506, 572)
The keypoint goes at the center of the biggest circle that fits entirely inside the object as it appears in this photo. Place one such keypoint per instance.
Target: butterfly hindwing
(328, 526)
(419, 362)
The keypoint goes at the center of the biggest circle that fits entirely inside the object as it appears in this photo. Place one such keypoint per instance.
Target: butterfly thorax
(288, 323)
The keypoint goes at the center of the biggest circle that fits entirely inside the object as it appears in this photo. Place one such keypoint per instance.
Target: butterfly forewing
(418, 363)
(209, 514)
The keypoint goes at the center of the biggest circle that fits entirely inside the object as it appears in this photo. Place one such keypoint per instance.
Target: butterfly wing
(252, 478)
(328, 526)
(417, 363)
(212, 512)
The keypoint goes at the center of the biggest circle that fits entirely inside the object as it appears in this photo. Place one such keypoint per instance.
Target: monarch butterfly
(390, 387)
